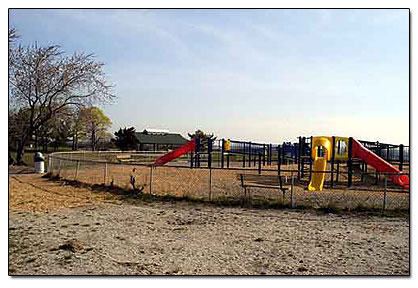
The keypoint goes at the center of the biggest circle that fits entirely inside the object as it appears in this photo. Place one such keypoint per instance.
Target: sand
(56, 229)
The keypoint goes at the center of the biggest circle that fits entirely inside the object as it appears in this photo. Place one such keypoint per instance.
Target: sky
(255, 75)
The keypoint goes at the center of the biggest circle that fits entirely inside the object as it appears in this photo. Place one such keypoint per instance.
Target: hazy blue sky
(260, 75)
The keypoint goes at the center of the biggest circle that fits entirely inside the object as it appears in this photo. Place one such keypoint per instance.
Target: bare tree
(44, 81)
(13, 36)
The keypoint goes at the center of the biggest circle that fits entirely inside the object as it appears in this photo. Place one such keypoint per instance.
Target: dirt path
(185, 238)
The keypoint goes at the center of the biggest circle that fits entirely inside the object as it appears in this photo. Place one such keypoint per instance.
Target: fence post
(210, 153)
(59, 168)
(385, 192)
(76, 170)
(105, 173)
(210, 184)
(49, 169)
(292, 204)
(222, 152)
(150, 181)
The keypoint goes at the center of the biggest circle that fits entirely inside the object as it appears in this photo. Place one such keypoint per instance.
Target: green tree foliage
(96, 124)
(125, 139)
(203, 138)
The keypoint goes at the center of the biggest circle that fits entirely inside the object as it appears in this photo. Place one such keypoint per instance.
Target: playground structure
(230, 170)
(320, 151)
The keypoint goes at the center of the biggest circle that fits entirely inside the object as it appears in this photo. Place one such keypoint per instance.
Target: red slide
(186, 148)
(359, 151)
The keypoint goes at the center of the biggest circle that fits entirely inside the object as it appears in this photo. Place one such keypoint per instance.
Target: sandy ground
(58, 229)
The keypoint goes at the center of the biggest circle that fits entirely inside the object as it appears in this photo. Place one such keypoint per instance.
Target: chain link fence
(131, 171)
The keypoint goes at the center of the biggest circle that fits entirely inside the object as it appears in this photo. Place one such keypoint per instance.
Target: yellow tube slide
(320, 162)
(318, 178)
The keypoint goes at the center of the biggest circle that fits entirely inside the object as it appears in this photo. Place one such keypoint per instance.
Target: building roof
(169, 138)
(155, 131)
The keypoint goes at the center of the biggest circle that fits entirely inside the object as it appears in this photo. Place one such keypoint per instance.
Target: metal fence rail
(217, 184)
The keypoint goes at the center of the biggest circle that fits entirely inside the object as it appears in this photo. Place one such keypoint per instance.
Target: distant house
(153, 139)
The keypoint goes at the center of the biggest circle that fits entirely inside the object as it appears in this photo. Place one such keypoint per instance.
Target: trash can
(39, 161)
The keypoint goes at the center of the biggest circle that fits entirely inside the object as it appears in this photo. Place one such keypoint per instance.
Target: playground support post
(304, 156)
(284, 161)
(210, 144)
(332, 161)
(198, 148)
(362, 172)
(338, 172)
(310, 160)
(338, 162)
(279, 160)
(249, 154)
(379, 153)
(292, 202)
(299, 163)
(259, 163)
(243, 158)
(227, 160)
(350, 162)
(385, 192)
(401, 157)
(264, 154)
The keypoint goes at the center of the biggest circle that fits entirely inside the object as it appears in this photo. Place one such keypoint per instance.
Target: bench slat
(262, 181)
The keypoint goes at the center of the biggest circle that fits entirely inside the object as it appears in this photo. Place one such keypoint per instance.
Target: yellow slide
(317, 180)
(320, 162)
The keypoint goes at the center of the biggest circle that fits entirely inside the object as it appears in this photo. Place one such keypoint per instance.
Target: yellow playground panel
(321, 152)
(341, 148)
(227, 146)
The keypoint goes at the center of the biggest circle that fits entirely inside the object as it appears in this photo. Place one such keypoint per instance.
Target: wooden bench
(124, 158)
(263, 181)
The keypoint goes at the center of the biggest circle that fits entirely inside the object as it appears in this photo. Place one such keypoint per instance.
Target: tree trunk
(93, 140)
(11, 160)
(75, 141)
(36, 140)
(20, 152)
